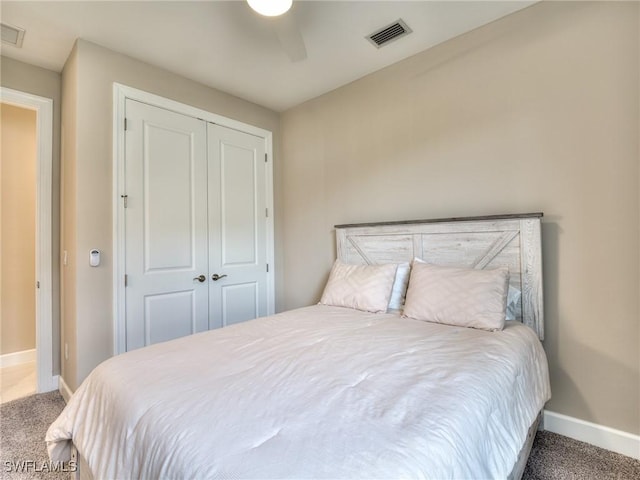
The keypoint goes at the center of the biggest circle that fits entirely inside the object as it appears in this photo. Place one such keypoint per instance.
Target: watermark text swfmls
(33, 466)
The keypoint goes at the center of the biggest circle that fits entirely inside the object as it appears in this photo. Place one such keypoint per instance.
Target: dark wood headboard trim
(509, 216)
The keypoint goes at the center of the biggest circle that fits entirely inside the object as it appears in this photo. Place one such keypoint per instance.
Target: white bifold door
(196, 225)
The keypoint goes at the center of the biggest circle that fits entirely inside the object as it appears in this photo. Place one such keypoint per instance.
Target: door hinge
(267, 268)
(126, 280)
(125, 124)
(124, 198)
(38, 284)
(265, 158)
(266, 212)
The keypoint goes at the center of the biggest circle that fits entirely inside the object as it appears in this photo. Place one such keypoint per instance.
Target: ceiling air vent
(12, 35)
(391, 32)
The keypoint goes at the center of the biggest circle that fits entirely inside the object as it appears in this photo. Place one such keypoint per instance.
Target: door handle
(200, 278)
(215, 277)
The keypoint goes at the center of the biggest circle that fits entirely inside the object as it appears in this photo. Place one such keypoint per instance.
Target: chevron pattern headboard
(475, 242)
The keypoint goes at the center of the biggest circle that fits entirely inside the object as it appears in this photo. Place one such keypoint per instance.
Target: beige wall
(535, 112)
(18, 229)
(68, 218)
(538, 111)
(45, 83)
(88, 194)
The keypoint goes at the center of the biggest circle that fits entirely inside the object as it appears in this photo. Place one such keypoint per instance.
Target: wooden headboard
(475, 242)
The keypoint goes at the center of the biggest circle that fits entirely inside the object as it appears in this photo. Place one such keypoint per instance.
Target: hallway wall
(18, 229)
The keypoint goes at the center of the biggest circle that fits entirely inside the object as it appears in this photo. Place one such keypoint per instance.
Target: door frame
(46, 380)
(120, 95)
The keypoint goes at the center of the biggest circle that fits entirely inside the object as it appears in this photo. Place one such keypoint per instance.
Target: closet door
(237, 226)
(166, 225)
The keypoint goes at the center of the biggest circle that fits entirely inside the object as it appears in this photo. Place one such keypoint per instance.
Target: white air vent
(12, 35)
(390, 32)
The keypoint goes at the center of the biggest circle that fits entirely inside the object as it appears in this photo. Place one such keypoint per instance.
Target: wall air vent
(389, 33)
(12, 35)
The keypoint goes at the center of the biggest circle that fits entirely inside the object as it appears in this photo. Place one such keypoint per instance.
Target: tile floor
(17, 381)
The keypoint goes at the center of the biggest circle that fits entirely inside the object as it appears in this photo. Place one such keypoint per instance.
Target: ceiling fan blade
(290, 37)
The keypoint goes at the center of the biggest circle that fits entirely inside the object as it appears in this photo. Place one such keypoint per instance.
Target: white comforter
(319, 392)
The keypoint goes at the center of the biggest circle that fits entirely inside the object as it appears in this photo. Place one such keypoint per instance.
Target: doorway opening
(26, 349)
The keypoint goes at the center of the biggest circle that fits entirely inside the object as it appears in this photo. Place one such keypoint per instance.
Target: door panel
(239, 302)
(169, 316)
(238, 205)
(237, 226)
(169, 205)
(166, 225)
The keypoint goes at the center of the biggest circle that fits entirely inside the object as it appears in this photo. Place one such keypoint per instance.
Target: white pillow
(514, 308)
(363, 287)
(458, 296)
(399, 290)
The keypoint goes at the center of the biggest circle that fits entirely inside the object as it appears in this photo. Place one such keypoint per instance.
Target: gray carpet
(554, 457)
(24, 422)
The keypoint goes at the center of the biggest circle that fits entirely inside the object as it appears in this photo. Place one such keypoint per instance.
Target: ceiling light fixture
(270, 8)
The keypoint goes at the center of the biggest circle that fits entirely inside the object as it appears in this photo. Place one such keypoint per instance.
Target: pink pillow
(363, 287)
(458, 296)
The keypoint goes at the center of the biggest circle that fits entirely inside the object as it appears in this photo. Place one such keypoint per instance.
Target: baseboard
(65, 391)
(17, 358)
(604, 437)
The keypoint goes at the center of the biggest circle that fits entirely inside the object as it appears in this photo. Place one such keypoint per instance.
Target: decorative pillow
(399, 290)
(363, 287)
(458, 296)
(514, 307)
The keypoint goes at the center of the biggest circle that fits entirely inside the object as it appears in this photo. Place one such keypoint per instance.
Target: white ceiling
(225, 45)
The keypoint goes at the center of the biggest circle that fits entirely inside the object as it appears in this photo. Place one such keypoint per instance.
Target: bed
(329, 391)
